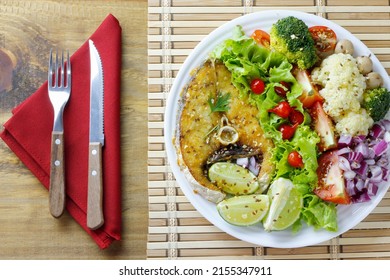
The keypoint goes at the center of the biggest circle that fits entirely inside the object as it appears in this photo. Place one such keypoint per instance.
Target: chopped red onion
(343, 151)
(365, 161)
(355, 157)
(344, 141)
(254, 166)
(372, 189)
(370, 161)
(385, 174)
(376, 131)
(380, 147)
(351, 188)
(385, 124)
(361, 197)
(244, 162)
(376, 174)
(344, 164)
(363, 149)
(250, 163)
(349, 175)
(362, 171)
(358, 139)
(359, 185)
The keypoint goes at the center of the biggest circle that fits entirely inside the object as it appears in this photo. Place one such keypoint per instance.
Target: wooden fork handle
(57, 175)
(95, 217)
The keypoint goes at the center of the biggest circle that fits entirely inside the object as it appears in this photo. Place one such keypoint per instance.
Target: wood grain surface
(57, 193)
(28, 29)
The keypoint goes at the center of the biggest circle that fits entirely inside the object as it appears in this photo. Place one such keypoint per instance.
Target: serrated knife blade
(95, 218)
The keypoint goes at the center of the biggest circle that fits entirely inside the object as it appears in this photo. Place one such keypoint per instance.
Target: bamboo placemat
(176, 229)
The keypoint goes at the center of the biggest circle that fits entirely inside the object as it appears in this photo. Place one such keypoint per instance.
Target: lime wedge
(233, 179)
(244, 210)
(285, 207)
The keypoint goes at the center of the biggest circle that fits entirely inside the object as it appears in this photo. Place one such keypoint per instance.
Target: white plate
(348, 216)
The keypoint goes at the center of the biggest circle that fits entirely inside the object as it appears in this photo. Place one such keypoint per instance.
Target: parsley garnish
(220, 103)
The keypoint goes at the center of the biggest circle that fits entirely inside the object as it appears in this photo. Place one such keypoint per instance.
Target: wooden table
(27, 30)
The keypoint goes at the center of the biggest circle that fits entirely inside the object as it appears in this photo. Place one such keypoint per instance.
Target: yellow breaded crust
(196, 121)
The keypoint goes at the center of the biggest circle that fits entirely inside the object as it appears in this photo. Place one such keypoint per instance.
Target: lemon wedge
(244, 210)
(233, 179)
(285, 205)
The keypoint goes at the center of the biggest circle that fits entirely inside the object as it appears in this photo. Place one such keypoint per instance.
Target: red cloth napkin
(28, 133)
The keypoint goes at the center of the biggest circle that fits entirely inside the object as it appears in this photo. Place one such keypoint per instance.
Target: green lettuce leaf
(246, 60)
(318, 213)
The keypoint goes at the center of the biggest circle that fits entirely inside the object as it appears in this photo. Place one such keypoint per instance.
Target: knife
(95, 218)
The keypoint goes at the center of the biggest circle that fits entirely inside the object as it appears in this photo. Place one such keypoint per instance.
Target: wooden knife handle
(95, 217)
(57, 175)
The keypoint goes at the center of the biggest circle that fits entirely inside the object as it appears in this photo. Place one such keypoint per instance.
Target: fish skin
(196, 121)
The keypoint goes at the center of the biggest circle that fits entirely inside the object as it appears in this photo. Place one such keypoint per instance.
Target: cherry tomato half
(287, 130)
(295, 159)
(282, 91)
(296, 117)
(283, 109)
(257, 86)
(261, 37)
(324, 38)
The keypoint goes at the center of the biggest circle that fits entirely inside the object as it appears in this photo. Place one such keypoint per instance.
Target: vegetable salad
(308, 151)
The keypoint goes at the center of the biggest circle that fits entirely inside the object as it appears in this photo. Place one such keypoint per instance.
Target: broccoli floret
(291, 37)
(377, 102)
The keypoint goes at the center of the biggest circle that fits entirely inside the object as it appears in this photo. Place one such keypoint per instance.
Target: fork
(59, 87)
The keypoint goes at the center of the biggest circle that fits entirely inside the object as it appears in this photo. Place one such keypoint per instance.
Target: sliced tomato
(325, 39)
(331, 185)
(324, 127)
(310, 93)
(261, 37)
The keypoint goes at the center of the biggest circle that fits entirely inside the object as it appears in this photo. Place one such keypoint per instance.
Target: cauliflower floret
(354, 123)
(338, 101)
(342, 88)
(340, 71)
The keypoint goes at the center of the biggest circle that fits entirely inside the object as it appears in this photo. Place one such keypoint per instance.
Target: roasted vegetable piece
(376, 102)
(291, 37)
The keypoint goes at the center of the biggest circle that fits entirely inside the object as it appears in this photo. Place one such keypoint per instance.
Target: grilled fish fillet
(196, 123)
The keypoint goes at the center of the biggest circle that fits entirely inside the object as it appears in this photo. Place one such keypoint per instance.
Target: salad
(324, 111)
